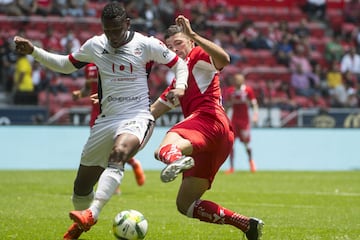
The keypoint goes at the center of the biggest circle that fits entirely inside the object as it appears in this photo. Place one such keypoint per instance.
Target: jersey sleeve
(84, 55)
(251, 93)
(159, 53)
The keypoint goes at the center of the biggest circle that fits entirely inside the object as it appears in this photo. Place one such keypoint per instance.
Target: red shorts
(242, 130)
(212, 140)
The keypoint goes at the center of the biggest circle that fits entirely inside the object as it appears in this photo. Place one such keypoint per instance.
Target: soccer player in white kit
(125, 123)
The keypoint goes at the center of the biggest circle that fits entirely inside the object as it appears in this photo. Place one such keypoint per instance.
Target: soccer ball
(130, 225)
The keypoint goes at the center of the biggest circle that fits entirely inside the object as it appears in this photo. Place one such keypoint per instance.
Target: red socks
(132, 162)
(211, 212)
(169, 153)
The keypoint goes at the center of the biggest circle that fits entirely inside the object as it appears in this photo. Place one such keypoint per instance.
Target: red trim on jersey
(173, 62)
(72, 59)
(78, 64)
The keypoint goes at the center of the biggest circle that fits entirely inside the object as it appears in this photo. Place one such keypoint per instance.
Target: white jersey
(123, 72)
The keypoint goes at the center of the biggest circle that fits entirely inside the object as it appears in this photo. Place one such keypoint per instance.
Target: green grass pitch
(293, 205)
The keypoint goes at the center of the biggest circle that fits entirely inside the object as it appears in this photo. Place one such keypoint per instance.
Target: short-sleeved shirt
(123, 72)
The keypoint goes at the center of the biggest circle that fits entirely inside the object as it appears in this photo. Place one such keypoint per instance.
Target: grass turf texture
(293, 205)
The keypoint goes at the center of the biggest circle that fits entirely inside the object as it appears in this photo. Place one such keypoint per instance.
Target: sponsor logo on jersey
(166, 53)
(105, 52)
(123, 99)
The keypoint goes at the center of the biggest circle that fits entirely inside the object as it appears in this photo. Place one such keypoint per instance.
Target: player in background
(90, 88)
(239, 97)
(200, 144)
(125, 123)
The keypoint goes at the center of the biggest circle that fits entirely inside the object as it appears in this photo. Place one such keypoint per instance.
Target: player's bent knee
(184, 208)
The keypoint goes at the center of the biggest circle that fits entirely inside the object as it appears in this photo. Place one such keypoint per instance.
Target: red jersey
(91, 73)
(201, 95)
(239, 99)
(206, 123)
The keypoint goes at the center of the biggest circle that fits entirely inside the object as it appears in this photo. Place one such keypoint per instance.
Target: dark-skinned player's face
(116, 31)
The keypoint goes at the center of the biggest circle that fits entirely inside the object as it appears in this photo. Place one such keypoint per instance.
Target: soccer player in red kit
(90, 88)
(238, 97)
(200, 144)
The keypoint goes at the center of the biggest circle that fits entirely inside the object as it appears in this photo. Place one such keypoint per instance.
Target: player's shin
(109, 180)
(211, 212)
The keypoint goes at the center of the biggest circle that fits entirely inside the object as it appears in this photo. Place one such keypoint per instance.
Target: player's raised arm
(218, 55)
(55, 62)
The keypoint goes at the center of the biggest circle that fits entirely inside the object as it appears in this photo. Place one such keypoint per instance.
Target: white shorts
(102, 135)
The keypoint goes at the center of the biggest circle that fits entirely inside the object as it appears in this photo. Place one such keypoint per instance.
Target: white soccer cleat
(171, 171)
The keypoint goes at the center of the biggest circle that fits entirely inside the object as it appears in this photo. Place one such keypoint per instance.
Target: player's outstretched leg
(172, 170)
(211, 212)
(73, 232)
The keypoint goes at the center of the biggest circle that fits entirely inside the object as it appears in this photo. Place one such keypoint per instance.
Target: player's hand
(23, 45)
(94, 98)
(185, 24)
(255, 119)
(174, 94)
(76, 95)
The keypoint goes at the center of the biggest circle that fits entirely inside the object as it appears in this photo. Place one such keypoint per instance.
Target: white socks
(190, 211)
(109, 180)
(82, 202)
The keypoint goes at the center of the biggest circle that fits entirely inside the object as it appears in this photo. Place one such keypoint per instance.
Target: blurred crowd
(329, 78)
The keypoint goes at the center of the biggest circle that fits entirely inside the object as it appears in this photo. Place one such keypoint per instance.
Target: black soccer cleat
(255, 229)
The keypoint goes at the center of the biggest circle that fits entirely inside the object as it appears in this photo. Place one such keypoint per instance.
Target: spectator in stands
(31, 7)
(279, 95)
(200, 16)
(282, 29)
(351, 62)
(334, 50)
(252, 37)
(352, 96)
(51, 41)
(222, 13)
(80, 8)
(10, 7)
(302, 30)
(351, 84)
(299, 58)
(70, 43)
(283, 50)
(335, 84)
(352, 11)
(56, 85)
(150, 15)
(24, 93)
(8, 61)
(44, 7)
(315, 9)
(305, 83)
(37, 76)
(168, 9)
(60, 8)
